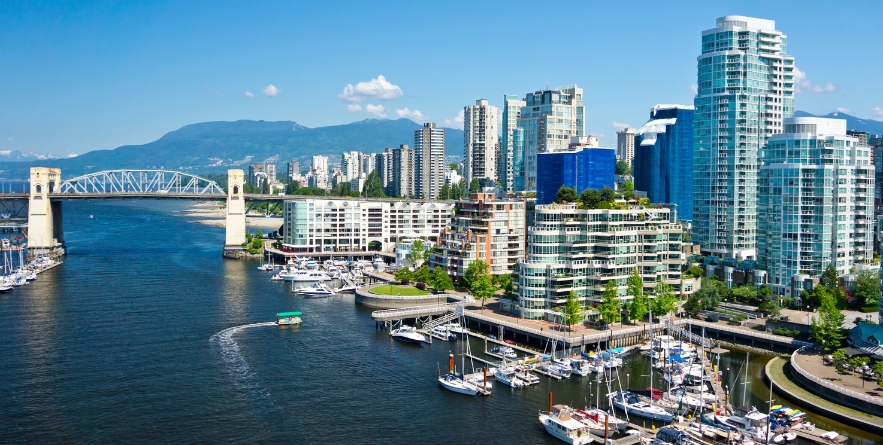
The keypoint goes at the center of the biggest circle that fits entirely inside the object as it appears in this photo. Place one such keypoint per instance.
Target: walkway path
(812, 363)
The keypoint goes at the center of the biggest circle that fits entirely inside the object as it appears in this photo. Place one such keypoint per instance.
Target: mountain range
(853, 123)
(213, 147)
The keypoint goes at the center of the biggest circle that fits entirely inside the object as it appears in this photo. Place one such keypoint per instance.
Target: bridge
(48, 191)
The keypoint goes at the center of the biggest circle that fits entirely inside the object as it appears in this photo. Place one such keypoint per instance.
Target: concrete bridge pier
(235, 215)
(45, 228)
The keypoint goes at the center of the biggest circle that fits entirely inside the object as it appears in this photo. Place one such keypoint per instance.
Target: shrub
(714, 318)
(421, 285)
(406, 281)
(785, 332)
(738, 318)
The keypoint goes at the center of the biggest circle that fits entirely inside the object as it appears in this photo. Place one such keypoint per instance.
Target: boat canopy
(288, 314)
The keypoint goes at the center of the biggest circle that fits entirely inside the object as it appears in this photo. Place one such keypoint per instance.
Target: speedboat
(5, 288)
(752, 424)
(509, 376)
(332, 271)
(31, 276)
(505, 351)
(305, 275)
(631, 404)
(456, 329)
(408, 334)
(318, 290)
(442, 332)
(561, 424)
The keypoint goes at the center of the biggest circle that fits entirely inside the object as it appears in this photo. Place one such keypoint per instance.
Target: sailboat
(456, 382)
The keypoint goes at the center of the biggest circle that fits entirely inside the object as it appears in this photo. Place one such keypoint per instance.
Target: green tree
(878, 369)
(404, 274)
(665, 300)
(440, 280)
(265, 187)
(419, 253)
(475, 269)
(693, 272)
(573, 311)
(767, 304)
(445, 192)
(826, 326)
(505, 283)
(567, 194)
(454, 166)
(423, 275)
(455, 191)
(590, 198)
(373, 188)
(693, 304)
(640, 302)
(867, 290)
(482, 288)
(829, 277)
(609, 307)
(622, 168)
(627, 189)
(745, 294)
(608, 194)
(474, 186)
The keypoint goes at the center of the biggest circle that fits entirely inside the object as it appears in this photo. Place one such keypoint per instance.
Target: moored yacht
(305, 275)
(504, 351)
(560, 424)
(557, 370)
(509, 376)
(632, 405)
(443, 332)
(408, 334)
(317, 290)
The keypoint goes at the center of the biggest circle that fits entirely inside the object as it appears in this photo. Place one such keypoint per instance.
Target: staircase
(450, 316)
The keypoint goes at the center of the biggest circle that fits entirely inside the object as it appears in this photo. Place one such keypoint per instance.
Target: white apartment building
(351, 165)
(816, 202)
(625, 144)
(569, 249)
(328, 225)
(320, 164)
(483, 228)
(480, 141)
(429, 155)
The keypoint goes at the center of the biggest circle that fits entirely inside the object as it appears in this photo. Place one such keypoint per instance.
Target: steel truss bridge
(139, 183)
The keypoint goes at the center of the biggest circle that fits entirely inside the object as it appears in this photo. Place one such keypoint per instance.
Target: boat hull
(548, 425)
(459, 389)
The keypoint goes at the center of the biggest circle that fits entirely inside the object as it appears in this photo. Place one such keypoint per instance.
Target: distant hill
(852, 122)
(213, 147)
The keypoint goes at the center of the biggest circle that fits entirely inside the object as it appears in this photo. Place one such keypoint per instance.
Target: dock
(815, 435)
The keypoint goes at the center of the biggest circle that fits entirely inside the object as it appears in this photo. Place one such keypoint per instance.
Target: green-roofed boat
(285, 318)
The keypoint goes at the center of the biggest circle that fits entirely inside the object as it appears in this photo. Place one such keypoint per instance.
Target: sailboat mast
(651, 357)
(745, 382)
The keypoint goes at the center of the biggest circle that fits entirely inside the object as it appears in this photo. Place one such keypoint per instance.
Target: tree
(373, 188)
(403, 274)
(693, 272)
(590, 198)
(482, 288)
(829, 277)
(608, 194)
(440, 280)
(475, 269)
(474, 186)
(826, 327)
(454, 166)
(418, 253)
(566, 194)
(878, 369)
(627, 189)
(745, 294)
(867, 290)
(640, 303)
(445, 192)
(573, 312)
(622, 168)
(609, 307)
(505, 283)
(455, 191)
(766, 303)
(693, 304)
(265, 187)
(665, 300)
(423, 275)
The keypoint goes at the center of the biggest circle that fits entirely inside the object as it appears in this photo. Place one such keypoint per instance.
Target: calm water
(146, 334)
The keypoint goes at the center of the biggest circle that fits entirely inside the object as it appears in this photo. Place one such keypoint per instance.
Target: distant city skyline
(85, 77)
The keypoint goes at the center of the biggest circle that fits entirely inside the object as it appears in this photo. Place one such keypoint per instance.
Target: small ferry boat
(286, 318)
(563, 426)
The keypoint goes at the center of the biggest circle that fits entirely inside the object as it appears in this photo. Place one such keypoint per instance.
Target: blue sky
(78, 76)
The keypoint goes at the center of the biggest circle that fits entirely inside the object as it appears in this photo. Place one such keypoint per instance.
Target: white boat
(318, 290)
(306, 275)
(526, 377)
(790, 435)
(455, 383)
(31, 276)
(480, 381)
(456, 329)
(5, 288)
(408, 334)
(560, 424)
(443, 332)
(504, 351)
(631, 405)
(582, 367)
(752, 424)
(615, 423)
(509, 376)
(558, 370)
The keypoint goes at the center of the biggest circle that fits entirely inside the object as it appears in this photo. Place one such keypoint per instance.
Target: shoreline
(214, 214)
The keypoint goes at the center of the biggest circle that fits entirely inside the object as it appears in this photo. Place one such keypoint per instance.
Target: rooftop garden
(606, 198)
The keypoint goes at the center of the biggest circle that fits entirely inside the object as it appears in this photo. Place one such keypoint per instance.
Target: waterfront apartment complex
(625, 145)
(512, 147)
(745, 90)
(570, 249)
(549, 119)
(583, 166)
(816, 201)
(482, 228)
(329, 225)
(429, 154)
(663, 158)
(480, 141)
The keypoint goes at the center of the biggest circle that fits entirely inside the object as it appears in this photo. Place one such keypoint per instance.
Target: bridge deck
(412, 312)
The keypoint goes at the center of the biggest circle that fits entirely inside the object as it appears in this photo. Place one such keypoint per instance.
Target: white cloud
(804, 85)
(249, 94)
(378, 88)
(376, 110)
(877, 112)
(843, 110)
(354, 108)
(619, 126)
(456, 122)
(694, 88)
(271, 90)
(10, 139)
(415, 115)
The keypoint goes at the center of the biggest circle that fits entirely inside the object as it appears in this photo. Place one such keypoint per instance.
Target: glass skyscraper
(512, 150)
(581, 168)
(745, 90)
(663, 162)
(816, 202)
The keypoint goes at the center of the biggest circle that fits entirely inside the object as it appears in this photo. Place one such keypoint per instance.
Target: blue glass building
(663, 163)
(580, 168)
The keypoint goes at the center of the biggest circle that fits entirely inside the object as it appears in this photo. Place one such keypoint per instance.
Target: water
(146, 334)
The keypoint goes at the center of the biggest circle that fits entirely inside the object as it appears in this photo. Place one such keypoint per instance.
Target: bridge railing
(159, 182)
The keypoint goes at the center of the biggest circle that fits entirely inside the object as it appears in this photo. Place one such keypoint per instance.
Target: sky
(77, 76)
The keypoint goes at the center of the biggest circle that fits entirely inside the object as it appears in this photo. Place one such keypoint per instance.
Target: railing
(829, 385)
(581, 339)
(410, 312)
(776, 338)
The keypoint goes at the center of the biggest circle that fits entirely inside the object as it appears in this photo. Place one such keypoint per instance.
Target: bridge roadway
(197, 196)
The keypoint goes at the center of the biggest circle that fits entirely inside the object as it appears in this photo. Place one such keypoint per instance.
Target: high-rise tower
(480, 141)
(429, 154)
(512, 149)
(745, 90)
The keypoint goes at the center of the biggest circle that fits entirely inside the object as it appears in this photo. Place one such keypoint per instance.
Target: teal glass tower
(745, 90)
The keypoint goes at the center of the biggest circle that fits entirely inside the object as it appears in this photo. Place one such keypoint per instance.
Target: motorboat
(632, 405)
(31, 276)
(5, 288)
(561, 424)
(456, 329)
(557, 370)
(752, 423)
(524, 374)
(602, 417)
(583, 367)
(509, 376)
(332, 271)
(672, 436)
(306, 275)
(482, 381)
(408, 334)
(785, 416)
(706, 394)
(317, 290)
(442, 332)
(288, 318)
(504, 351)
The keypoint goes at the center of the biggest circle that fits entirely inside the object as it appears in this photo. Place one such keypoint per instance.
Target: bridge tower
(45, 229)
(235, 213)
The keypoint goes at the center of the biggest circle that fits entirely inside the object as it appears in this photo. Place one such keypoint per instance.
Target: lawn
(396, 289)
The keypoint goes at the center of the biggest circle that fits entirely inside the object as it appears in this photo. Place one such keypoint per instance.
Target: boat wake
(226, 345)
